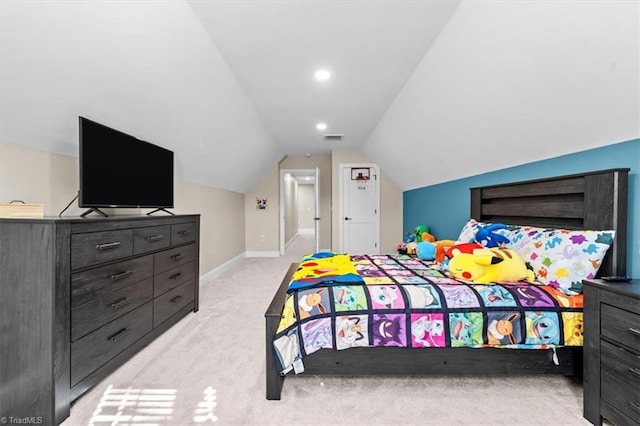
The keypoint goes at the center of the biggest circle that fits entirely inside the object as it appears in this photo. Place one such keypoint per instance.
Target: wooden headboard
(592, 200)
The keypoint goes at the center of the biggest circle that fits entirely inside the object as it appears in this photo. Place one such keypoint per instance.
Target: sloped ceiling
(513, 82)
(436, 90)
(430, 90)
(146, 68)
(275, 47)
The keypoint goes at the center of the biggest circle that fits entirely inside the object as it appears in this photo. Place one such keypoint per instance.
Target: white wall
(510, 82)
(290, 207)
(145, 67)
(306, 206)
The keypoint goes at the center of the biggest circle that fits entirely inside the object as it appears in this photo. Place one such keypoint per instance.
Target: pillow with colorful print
(469, 230)
(562, 258)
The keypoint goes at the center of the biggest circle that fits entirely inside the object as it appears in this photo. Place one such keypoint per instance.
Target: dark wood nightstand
(612, 352)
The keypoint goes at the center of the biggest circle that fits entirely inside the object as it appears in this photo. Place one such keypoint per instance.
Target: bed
(593, 200)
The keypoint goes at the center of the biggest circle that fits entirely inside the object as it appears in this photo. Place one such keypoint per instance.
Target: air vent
(334, 137)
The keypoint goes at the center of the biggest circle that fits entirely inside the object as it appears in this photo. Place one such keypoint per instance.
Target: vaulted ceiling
(431, 91)
(370, 48)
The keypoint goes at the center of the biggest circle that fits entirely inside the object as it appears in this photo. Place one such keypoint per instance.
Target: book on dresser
(80, 296)
(612, 351)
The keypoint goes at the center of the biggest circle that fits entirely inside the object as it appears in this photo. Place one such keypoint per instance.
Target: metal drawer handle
(184, 232)
(176, 256)
(119, 303)
(175, 276)
(176, 299)
(121, 275)
(153, 238)
(634, 331)
(635, 371)
(635, 405)
(118, 335)
(108, 246)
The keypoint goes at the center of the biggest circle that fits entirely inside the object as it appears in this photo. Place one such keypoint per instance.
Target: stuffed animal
(427, 237)
(486, 236)
(411, 247)
(435, 250)
(462, 248)
(486, 266)
(426, 250)
(420, 229)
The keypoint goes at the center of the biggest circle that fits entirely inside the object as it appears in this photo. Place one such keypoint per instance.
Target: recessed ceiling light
(323, 75)
(321, 126)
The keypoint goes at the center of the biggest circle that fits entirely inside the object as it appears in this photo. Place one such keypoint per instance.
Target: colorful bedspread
(342, 301)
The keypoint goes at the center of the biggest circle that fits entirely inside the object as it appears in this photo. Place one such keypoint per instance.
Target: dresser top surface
(629, 289)
(78, 219)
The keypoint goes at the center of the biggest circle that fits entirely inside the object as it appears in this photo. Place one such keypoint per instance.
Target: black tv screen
(119, 170)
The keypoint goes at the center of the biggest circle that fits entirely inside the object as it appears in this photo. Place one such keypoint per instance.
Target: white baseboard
(290, 240)
(220, 269)
(262, 254)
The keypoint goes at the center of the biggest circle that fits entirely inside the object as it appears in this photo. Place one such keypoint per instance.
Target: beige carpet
(209, 369)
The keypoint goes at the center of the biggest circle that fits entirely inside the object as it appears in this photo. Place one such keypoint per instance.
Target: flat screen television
(119, 170)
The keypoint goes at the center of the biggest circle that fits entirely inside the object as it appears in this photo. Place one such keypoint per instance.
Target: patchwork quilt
(338, 301)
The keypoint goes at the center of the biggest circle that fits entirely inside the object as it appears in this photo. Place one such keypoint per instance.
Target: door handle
(347, 218)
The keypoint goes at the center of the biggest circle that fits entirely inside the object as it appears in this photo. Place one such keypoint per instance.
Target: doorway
(291, 180)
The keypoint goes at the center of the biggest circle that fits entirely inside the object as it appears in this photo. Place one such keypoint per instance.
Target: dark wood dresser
(80, 296)
(612, 352)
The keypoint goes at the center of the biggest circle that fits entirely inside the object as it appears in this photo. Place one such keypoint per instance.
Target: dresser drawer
(151, 239)
(620, 395)
(169, 259)
(94, 283)
(172, 301)
(183, 233)
(95, 349)
(620, 326)
(97, 247)
(173, 278)
(96, 313)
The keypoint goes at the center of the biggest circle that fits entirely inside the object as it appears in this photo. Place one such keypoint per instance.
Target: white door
(359, 209)
(316, 214)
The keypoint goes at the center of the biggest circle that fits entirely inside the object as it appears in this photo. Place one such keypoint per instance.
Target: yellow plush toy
(486, 266)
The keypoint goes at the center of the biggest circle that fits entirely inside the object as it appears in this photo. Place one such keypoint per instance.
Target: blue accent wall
(445, 207)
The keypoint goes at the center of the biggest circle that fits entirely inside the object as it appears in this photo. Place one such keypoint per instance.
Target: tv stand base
(159, 210)
(94, 209)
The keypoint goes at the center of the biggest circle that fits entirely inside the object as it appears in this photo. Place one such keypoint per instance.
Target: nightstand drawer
(98, 247)
(620, 326)
(620, 363)
(151, 238)
(620, 396)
